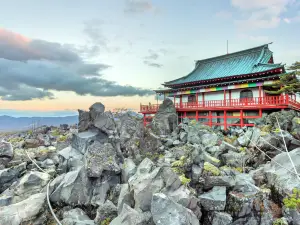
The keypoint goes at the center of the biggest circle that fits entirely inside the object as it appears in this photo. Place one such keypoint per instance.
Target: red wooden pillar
(180, 101)
(144, 120)
(242, 117)
(197, 116)
(184, 114)
(259, 94)
(230, 97)
(260, 112)
(203, 99)
(225, 120)
(197, 102)
(210, 119)
(224, 97)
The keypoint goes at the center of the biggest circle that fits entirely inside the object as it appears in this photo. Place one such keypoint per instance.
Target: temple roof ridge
(235, 54)
(253, 60)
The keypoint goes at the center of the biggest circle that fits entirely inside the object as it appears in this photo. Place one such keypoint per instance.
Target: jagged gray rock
(76, 217)
(128, 169)
(106, 212)
(167, 212)
(6, 153)
(166, 119)
(10, 175)
(129, 216)
(95, 109)
(221, 218)
(125, 197)
(31, 183)
(69, 159)
(72, 188)
(214, 200)
(84, 120)
(144, 183)
(101, 157)
(81, 141)
(23, 211)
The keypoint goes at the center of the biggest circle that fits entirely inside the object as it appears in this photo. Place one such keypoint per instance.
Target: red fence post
(210, 119)
(242, 118)
(225, 120)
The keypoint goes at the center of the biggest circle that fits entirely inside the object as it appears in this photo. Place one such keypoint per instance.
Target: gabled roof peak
(234, 54)
(249, 61)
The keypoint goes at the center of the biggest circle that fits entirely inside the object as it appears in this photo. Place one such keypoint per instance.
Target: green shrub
(293, 200)
(55, 132)
(62, 138)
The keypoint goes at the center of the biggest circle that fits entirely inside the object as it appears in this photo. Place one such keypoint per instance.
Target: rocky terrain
(112, 170)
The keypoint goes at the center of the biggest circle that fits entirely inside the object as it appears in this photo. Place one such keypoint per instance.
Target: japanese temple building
(227, 90)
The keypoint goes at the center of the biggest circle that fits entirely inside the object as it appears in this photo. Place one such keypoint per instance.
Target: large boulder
(23, 211)
(214, 200)
(129, 216)
(69, 159)
(31, 143)
(106, 212)
(10, 175)
(6, 153)
(105, 122)
(166, 212)
(84, 120)
(31, 183)
(166, 119)
(76, 217)
(72, 188)
(279, 172)
(144, 183)
(95, 109)
(101, 157)
(221, 218)
(128, 169)
(81, 141)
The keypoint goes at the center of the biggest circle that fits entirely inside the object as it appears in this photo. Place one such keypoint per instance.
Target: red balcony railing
(268, 102)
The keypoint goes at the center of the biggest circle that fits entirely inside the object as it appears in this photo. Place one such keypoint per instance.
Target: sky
(59, 56)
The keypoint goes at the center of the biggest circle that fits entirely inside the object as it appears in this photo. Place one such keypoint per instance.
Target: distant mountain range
(9, 123)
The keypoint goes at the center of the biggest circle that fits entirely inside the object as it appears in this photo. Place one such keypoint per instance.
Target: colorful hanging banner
(230, 87)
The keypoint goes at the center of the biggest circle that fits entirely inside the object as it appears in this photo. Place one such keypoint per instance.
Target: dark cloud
(138, 6)
(23, 92)
(151, 59)
(30, 69)
(153, 64)
(152, 56)
(51, 76)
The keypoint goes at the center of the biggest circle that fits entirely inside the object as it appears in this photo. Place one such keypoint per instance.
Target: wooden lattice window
(246, 94)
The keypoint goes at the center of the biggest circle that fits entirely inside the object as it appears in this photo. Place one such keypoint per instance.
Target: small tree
(288, 83)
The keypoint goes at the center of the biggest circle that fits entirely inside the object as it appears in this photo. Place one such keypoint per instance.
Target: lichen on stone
(211, 168)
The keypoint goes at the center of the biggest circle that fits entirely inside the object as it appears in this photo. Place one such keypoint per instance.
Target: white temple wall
(215, 95)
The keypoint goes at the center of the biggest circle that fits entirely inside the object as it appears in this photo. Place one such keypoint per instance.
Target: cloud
(138, 6)
(24, 92)
(151, 59)
(153, 64)
(97, 42)
(31, 69)
(261, 14)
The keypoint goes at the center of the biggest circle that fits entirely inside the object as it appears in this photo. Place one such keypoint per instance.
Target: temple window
(246, 94)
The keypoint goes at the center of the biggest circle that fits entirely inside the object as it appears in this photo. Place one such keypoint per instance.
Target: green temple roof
(249, 61)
